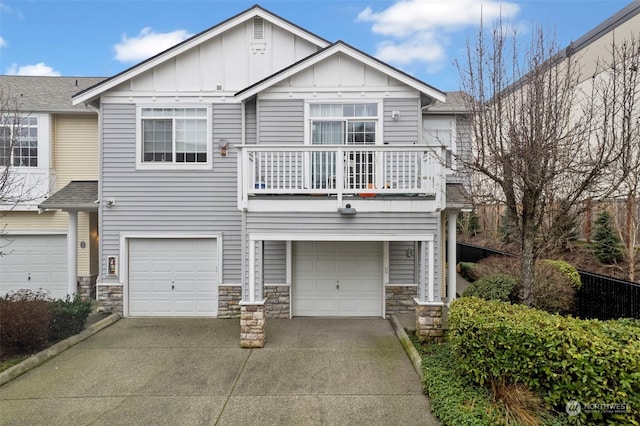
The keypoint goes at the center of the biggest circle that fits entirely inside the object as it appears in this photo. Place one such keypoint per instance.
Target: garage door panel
(337, 279)
(173, 277)
(34, 262)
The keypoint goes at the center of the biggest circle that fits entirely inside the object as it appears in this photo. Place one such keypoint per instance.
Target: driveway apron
(156, 371)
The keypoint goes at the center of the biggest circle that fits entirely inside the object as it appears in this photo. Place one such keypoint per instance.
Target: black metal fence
(606, 298)
(600, 297)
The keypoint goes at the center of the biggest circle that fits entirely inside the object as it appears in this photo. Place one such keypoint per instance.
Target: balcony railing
(340, 170)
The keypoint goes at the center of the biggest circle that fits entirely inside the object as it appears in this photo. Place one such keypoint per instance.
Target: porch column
(428, 306)
(252, 315)
(72, 252)
(452, 217)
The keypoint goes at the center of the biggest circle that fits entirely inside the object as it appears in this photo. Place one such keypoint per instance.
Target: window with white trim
(343, 124)
(19, 141)
(174, 136)
(439, 132)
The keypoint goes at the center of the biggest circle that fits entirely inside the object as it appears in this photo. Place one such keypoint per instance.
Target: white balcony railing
(339, 170)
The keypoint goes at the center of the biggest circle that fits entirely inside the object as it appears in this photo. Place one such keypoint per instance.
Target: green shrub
(606, 242)
(24, 321)
(561, 358)
(68, 317)
(494, 287)
(570, 272)
(555, 286)
(455, 399)
(464, 269)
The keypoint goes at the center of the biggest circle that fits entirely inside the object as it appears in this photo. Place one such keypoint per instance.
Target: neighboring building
(259, 167)
(58, 151)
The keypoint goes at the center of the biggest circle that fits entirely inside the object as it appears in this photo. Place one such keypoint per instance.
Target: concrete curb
(406, 343)
(52, 351)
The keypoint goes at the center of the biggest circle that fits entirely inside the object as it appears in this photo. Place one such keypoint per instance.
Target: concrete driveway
(193, 372)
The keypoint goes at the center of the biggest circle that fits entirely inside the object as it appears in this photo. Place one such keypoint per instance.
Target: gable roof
(46, 94)
(340, 47)
(254, 11)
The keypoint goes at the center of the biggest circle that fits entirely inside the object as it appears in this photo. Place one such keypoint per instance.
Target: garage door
(173, 277)
(337, 278)
(33, 262)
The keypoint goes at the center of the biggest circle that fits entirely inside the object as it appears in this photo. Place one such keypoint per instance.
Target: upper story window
(348, 124)
(19, 142)
(175, 136)
(440, 132)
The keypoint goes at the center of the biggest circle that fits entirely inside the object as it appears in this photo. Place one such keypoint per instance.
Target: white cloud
(147, 44)
(421, 47)
(417, 31)
(3, 43)
(39, 69)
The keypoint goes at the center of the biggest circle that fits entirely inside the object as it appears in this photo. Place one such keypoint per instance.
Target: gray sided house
(259, 171)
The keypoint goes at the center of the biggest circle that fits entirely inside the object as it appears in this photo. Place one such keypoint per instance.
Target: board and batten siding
(188, 202)
(228, 62)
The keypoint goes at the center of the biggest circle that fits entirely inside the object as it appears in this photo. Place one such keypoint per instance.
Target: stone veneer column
(429, 322)
(252, 324)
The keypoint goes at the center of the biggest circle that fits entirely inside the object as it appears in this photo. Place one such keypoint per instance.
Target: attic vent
(258, 28)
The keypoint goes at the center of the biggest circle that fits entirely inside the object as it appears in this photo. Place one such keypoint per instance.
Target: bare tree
(616, 86)
(14, 188)
(532, 145)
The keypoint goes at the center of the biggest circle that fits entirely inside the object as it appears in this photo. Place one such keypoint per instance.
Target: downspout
(97, 110)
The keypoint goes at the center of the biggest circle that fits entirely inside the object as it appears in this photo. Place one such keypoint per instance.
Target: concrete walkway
(192, 371)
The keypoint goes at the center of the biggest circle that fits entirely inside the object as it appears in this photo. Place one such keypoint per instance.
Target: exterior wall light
(347, 211)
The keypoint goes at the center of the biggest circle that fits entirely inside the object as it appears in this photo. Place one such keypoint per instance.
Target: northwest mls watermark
(573, 408)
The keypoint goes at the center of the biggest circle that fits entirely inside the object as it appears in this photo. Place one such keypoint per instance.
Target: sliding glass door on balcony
(359, 167)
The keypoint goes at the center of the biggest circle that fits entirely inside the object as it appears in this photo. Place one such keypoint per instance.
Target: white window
(439, 132)
(19, 141)
(174, 136)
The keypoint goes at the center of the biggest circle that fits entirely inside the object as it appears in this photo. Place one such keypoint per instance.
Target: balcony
(324, 177)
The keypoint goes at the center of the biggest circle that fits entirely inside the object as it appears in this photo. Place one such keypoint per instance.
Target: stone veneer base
(109, 298)
(399, 299)
(429, 326)
(252, 324)
(229, 297)
(277, 305)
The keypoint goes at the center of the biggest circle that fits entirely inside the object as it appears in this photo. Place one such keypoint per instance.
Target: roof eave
(342, 47)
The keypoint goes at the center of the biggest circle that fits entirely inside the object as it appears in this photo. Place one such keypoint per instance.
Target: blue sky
(421, 37)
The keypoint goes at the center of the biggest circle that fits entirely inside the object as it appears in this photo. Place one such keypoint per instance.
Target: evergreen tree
(606, 241)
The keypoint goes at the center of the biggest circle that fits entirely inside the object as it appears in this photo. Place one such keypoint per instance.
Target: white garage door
(173, 277)
(337, 278)
(34, 262)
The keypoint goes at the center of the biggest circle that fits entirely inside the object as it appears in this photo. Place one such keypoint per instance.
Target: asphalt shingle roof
(455, 104)
(457, 196)
(76, 195)
(46, 94)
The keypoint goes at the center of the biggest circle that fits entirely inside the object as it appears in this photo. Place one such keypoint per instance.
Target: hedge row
(562, 358)
(30, 319)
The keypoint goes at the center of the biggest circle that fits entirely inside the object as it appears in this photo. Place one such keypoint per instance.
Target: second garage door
(337, 278)
(34, 262)
(173, 277)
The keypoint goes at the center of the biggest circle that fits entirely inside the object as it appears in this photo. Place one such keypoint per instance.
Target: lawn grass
(6, 364)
